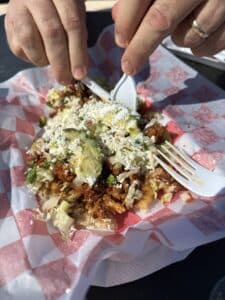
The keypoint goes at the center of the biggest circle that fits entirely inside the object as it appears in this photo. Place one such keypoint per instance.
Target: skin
(141, 25)
(49, 32)
(54, 32)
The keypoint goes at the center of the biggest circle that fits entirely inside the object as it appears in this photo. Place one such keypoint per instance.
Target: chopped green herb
(137, 142)
(31, 175)
(70, 130)
(111, 179)
(49, 104)
(46, 164)
(42, 121)
(64, 101)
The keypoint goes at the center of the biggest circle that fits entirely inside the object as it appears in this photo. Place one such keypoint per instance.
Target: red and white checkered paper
(35, 263)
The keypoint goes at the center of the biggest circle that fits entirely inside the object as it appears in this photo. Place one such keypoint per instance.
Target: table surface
(194, 277)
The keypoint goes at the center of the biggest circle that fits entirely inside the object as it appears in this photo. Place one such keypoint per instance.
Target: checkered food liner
(35, 263)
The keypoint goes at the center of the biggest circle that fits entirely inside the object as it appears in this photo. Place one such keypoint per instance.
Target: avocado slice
(87, 159)
(72, 134)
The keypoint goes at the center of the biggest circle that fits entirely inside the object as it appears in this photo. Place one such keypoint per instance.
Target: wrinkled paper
(217, 61)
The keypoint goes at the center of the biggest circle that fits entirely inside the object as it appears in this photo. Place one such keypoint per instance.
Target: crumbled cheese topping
(111, 125)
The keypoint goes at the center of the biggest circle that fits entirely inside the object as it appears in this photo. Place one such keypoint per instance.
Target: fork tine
(179, 160)
(190, 177)
(182, 154)
(173, 173)
(202, 182)
(175, 165)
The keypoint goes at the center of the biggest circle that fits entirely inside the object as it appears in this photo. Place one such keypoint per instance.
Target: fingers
(128, 17)
(72, 15)
(114, 11)
(18, 35)
(213, 10)
(213, 44)
(16, 49)
(27, 33)
(52, 32)
(54, 38)
(159, 21)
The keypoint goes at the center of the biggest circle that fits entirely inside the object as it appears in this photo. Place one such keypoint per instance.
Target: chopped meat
(160, 174)
(54, 187)
(74, 194)
(112, 205)
(53, 113)
(147, 195)
(158, 131)
(98, 211)
(61, 173)
(116, 193)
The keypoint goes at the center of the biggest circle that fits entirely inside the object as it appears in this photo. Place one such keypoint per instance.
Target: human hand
(141, 25)
(49, 32)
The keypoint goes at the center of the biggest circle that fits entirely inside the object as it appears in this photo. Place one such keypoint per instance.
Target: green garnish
(64, 101)
(46, 164)
(42, 121)
(137, 142)
(111, 179)
(31, 175)
(49, 104)
(70, 130)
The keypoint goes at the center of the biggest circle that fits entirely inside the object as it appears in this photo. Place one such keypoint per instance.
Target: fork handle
(95, 88)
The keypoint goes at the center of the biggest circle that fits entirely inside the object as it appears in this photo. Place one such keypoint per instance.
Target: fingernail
(79, 73)
(114, 11)
(127, 67)
(120, 40)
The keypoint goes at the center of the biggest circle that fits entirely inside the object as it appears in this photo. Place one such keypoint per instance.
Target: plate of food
(95, 161)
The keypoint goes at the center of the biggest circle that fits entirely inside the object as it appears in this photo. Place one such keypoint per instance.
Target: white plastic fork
(124, 91)
(188, 173)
